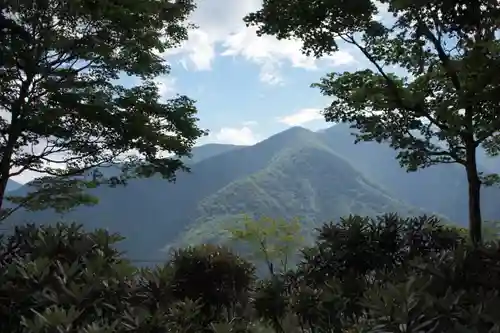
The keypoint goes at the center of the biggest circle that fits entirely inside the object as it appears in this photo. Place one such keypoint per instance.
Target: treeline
(385, 274)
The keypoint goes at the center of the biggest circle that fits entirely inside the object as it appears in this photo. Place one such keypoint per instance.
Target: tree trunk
(6, 154)
(3, 186)
(14, 131)
(475, 220)
(6, 158)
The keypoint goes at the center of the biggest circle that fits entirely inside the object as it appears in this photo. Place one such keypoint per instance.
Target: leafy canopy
(65, 109)
(270, 241)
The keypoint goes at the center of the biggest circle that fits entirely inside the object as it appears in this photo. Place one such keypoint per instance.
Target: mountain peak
(297, 129)
(292, 133)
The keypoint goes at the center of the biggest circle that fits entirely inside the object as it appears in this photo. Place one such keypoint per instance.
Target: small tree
(272, 241)
(441, 102)
(63, 112)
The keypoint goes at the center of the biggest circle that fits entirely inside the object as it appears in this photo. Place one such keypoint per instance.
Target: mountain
(308, 180)
(12, 185)
(203, 152)
(440, 188)
(316, 176)
(295, 173)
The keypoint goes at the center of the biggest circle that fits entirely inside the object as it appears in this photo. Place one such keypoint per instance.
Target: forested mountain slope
(292, 174)
(440, 188)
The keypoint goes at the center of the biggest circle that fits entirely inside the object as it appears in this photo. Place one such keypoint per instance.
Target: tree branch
(394, 89)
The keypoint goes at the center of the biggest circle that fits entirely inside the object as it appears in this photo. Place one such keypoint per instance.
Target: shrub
(385, 274)
(326, 291)
(63, 279)
(457, 292)
(214, 275)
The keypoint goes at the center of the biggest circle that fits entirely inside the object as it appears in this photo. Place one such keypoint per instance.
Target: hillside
(440, 188)
(12, 185)
(310, 182)
(291, 174)
(209, 150)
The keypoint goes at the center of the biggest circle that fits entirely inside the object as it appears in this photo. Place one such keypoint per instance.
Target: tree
(272, 241)
(64, 110)
(432, 91)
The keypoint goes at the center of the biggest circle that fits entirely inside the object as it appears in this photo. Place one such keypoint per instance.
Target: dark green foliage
(357, 246)
(214, 275)
(61, 279)
(376, 274)
(384, 274)
(72, 278)
(270, 303)
(457, 292)
(59, 66)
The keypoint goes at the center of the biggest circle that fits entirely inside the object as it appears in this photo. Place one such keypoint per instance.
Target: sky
(247, 87)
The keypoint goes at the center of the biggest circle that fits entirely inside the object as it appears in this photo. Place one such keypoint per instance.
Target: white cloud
(222, 32)
(301, 117)
(270, 74)
(198, 49)
(267, 52)
(340, 58)
(166, 86)
(235, 135)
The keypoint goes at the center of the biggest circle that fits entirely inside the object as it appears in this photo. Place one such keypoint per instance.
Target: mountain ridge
(316, 176)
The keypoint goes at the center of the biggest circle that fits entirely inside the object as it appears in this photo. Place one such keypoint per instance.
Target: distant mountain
(440, 188)
(316, 176)
(305, 179)
(12, 185)
(203, 152)
(295, 173)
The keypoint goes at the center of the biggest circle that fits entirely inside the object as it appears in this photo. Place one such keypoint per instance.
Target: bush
(457, 292)
(62, 279)
(327, 290)
(385, 274)
(214, 275)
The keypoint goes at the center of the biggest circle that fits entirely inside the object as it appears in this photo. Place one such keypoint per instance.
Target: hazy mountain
(307, 180)
(203, 152)
(440, 188)
(292, 174)
(296, 173)
(12, 185)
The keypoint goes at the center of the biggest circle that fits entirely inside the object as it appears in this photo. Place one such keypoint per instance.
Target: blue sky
(247, 87)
